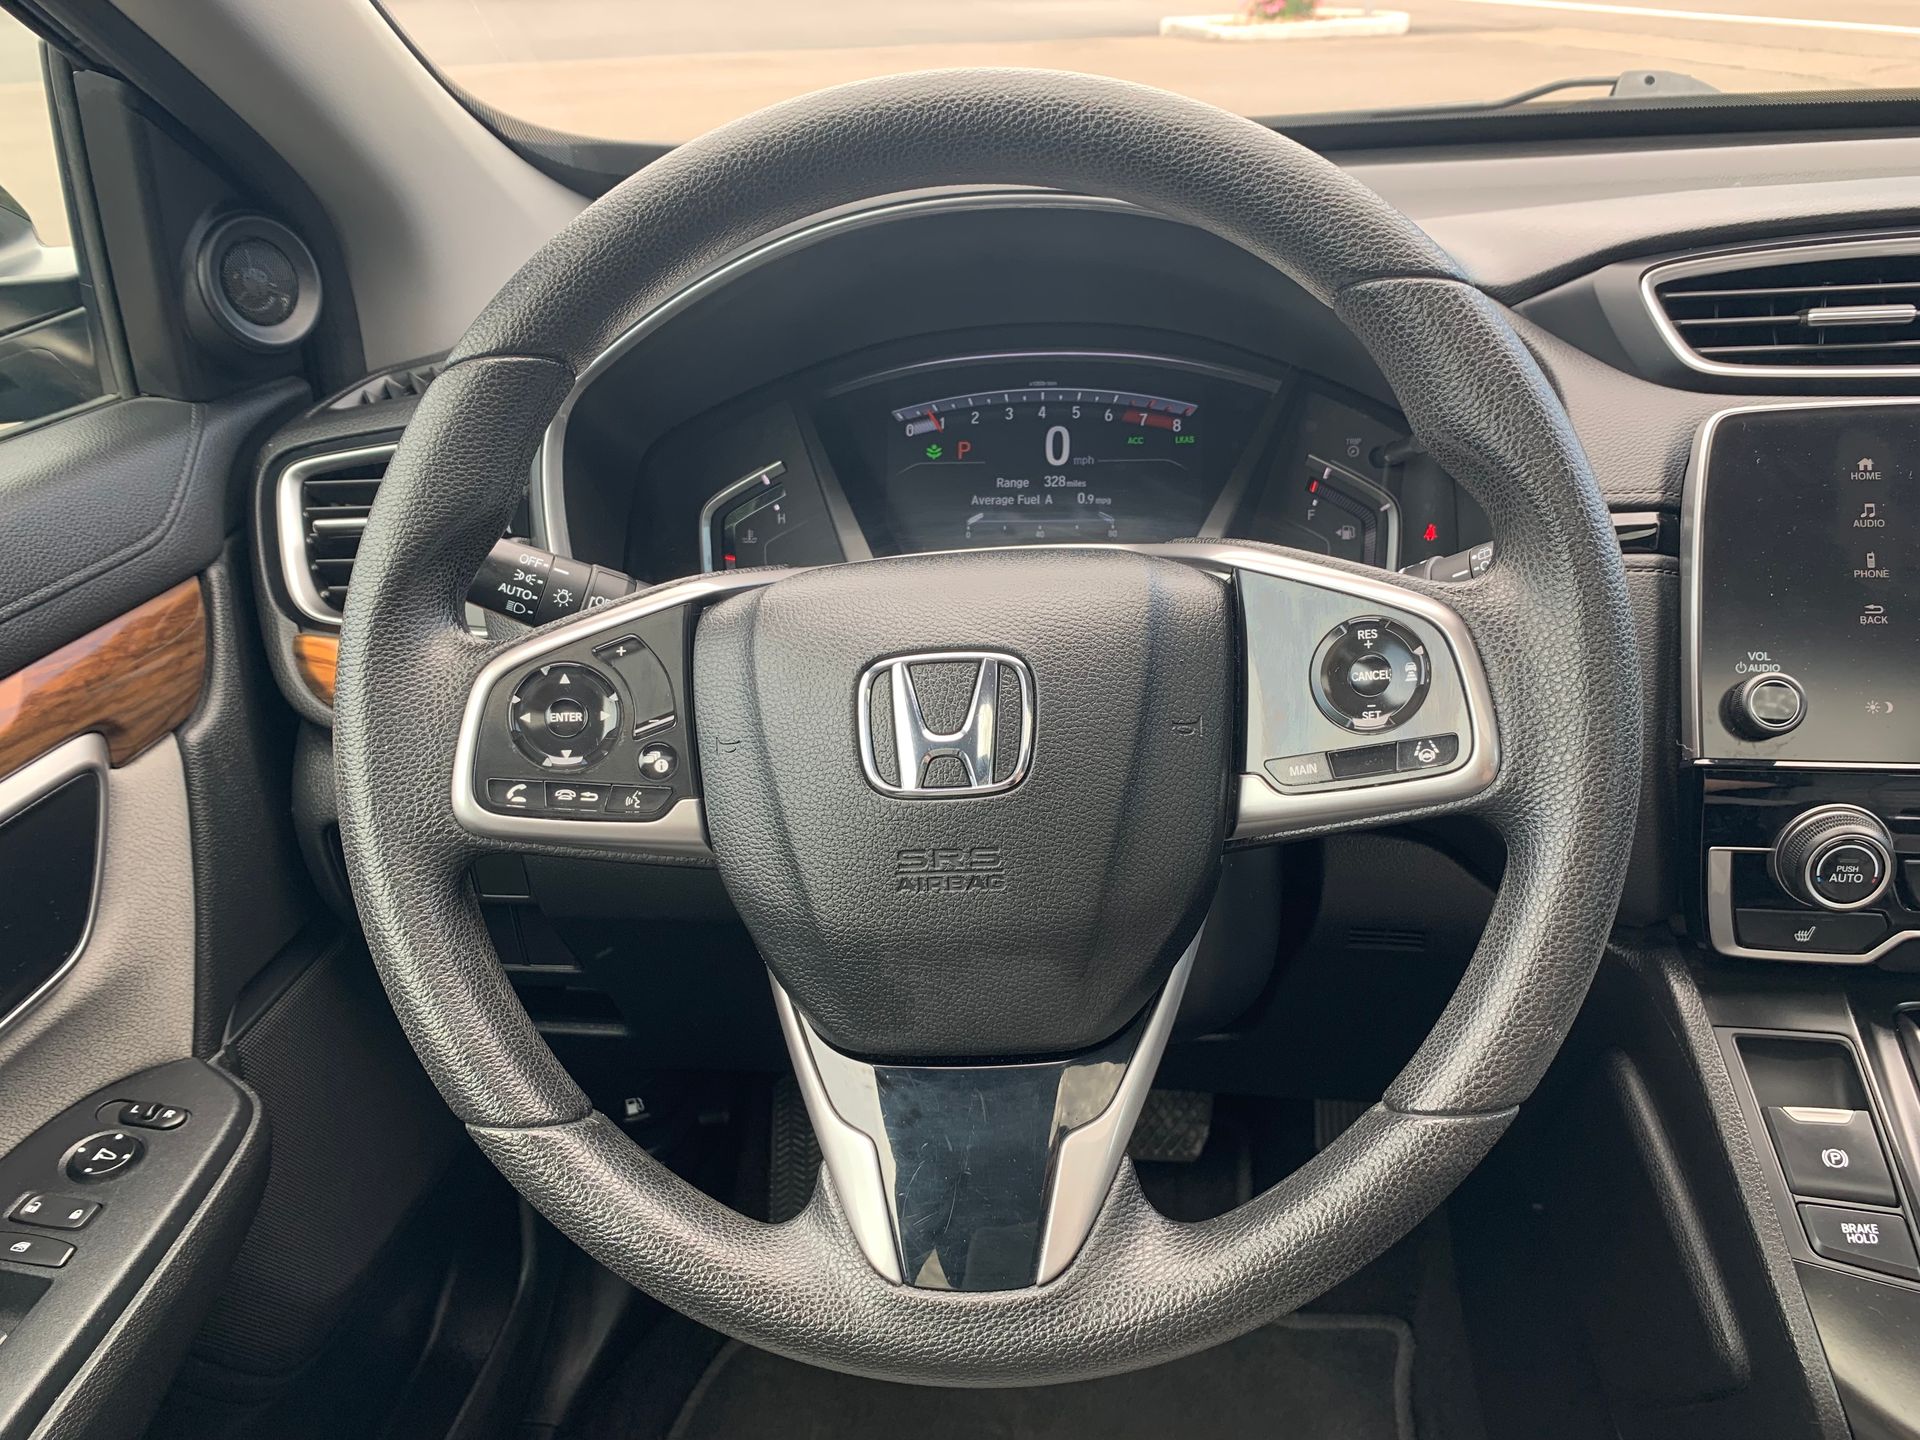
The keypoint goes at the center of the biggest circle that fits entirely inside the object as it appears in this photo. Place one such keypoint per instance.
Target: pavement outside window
(631, 70)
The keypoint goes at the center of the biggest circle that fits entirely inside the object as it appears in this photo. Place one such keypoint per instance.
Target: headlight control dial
(1838, 857)
(1370, 674)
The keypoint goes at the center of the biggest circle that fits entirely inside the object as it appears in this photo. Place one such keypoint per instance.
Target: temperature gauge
(746, 524)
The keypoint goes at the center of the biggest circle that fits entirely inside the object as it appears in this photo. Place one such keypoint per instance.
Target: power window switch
(54, 1212)
(1831, 1154)
(42, 1250)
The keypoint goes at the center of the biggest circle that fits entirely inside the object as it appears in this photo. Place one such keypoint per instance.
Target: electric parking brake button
(1831, 1154)
(1873, 1238)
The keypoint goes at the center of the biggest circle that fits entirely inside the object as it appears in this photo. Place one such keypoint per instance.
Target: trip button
(1299, 770)
(41, 1250)
(53, 1212)
(1831, 1154)
(1813, 931)
(101, 1156)
(1875, 1239)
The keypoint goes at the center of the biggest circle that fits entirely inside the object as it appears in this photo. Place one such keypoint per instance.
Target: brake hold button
(1877, 1239)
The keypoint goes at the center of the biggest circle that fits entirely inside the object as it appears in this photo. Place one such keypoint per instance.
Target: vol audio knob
(1838, 857)
(1765, 706)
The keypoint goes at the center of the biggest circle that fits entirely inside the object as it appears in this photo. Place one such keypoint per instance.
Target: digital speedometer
(1044, 463)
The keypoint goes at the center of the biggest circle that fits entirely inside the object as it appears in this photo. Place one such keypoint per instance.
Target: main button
(1874, 1238)
(1831, 1154)
(1847, 872)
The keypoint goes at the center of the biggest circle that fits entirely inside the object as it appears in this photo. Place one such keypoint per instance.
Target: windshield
(648, 71)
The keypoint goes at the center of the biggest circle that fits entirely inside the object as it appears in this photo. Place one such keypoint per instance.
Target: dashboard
(1018, 445)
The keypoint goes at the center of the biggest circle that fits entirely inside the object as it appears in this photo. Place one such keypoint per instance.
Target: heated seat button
(99, 1156)
(54, 1212)
(1873, 1238)
(41, 1250)
(1813, 931)
(1831, 1154)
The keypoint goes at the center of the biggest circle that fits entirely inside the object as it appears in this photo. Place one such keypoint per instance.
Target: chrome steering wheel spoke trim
(681, 829)
(1442, 750)
(978, 1177)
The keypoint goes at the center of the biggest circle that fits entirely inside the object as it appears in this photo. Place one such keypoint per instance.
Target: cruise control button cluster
(564, 716)
(1370, 674)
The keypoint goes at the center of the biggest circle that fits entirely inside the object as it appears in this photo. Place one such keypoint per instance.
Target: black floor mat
(1311, 1377)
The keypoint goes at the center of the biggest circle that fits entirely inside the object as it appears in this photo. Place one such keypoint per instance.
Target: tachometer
(1045, 463)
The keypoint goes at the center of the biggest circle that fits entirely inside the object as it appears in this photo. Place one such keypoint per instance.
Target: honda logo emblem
(946, 725)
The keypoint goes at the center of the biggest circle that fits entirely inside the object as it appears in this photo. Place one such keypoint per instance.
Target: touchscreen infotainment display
(1807, 563)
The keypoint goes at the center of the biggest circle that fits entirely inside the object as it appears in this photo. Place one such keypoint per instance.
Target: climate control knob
(1838, 857)
(1764, 706)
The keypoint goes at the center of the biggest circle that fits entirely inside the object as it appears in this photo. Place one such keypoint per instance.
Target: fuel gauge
(1332, 511)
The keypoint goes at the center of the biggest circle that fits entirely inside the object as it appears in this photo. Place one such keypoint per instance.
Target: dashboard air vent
(1826, 310)
(322, 510)
(393, 385)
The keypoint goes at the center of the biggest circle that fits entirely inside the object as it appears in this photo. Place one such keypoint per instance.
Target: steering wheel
(972, 806)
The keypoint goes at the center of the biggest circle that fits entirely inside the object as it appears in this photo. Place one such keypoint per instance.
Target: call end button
(1292, 770)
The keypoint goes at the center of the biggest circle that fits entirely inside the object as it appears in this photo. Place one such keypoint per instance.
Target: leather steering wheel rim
(1551, 623)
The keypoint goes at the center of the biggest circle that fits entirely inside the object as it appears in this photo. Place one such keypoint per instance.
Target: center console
(1801, 727)
(1801, 646)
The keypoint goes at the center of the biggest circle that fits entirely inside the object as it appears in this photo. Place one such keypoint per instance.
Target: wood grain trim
(317, 658)
(133, 680)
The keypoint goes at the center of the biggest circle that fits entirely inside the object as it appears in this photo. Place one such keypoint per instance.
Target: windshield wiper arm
(1627, 85)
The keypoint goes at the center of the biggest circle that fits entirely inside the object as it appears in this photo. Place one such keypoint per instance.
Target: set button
(1370, 674)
